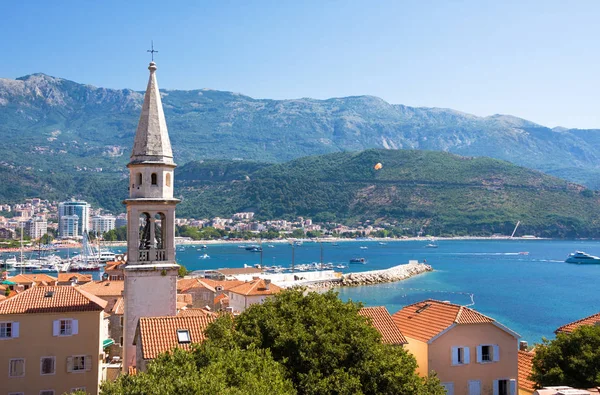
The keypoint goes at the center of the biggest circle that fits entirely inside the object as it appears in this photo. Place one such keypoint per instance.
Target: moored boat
(358, 260)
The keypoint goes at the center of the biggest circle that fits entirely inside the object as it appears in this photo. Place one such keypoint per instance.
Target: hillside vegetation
(55, 125)
(439, 192)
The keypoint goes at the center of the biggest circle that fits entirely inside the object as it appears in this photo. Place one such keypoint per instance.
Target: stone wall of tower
(150, 291)
(162, 189)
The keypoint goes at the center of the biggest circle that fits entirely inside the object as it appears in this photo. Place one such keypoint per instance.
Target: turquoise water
(531, 294)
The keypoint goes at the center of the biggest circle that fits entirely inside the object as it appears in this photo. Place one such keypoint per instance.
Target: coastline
(372, 277)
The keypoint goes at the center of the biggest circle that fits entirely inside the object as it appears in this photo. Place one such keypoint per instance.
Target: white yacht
(582, 257)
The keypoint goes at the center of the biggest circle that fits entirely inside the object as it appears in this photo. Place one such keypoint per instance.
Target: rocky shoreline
(393, 274)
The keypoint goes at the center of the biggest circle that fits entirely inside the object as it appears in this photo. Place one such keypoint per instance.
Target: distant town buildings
(36, 227)
(103, 223)
(73, 218)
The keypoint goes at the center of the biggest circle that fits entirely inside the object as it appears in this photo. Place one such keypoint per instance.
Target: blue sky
(538, 60)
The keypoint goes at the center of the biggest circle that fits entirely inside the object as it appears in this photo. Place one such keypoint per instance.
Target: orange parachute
(378, 166)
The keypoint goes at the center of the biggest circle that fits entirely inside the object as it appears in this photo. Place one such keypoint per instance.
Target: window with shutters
(6, 330)
(47, 365)
(47, 392)
(16, 367)
(488, 353)
(66, 327)
(503, 387)
(16, 393)
(460, 356)
(78, 363)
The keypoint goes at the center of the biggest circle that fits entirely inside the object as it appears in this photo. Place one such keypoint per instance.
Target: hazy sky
(538, 60)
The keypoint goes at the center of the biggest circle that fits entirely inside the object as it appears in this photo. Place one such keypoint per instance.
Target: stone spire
(152, 143)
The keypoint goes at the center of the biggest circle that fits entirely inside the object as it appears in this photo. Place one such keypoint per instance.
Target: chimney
(523, 346)
(267, 283)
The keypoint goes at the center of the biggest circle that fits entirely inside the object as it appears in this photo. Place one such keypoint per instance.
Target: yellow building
(51, 341)
(470, 352)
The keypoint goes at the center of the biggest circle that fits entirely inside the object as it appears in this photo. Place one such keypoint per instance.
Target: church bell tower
(151, 272)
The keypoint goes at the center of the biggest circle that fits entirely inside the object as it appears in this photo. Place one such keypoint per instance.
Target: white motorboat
(582, 258)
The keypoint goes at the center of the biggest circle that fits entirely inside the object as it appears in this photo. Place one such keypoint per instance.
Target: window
(183, 336)
(505, 387)
(121, 321)
(121, 341)
(47, 365)
(47, 392)
(65, 327)
(78, 363)
(460, 355)
(154, 179)
(16, 367)
(488, 353)
(139, 178)
(6, 330)
(16, 393)
(449, 387)
(168, 179)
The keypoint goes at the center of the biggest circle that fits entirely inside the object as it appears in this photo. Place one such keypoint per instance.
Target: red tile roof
(524, 368)
(221, 297)
(226, 285)
(382, 321)
(425, 320)
(159, 334)
(81, 278)
(193, 312)
(255, 287)
(104, 288)
(185, 284)
(186, 299)
(41, 278)
(63, 299)
(119, 307)
(570, 327)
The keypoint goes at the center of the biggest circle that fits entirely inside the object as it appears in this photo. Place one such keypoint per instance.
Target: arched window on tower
(144, 231)
(154, 179)
(159, 231)
(139, 179)
(168, 180)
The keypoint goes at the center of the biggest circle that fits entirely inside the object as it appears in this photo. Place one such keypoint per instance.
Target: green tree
(182, 271)
(208, 369)
(325, 346)
(570, 359)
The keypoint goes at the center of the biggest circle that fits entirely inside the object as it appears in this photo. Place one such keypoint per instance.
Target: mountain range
(55, 125)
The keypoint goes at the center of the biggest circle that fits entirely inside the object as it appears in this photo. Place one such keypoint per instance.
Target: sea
(523, 284)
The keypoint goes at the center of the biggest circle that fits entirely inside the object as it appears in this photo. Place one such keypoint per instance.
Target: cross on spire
(152, 50)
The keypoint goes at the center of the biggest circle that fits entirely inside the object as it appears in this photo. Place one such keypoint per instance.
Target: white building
(68, 226)
(103, 223)
(252, 292)
(73, 208)
(36, 227)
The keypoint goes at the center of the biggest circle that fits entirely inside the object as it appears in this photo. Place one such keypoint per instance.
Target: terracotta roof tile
(185, 284)
(2, 297)
(40, 278)
(185, 298)
(226, 285)
(66, 277)
(525, 367)
(570, 327)
(221, 297)
(193, 312)
(159, 334)
(63, 299)
(255, 287)
(119, 307)
(424, 320)
(104, 288)
(382, 321)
